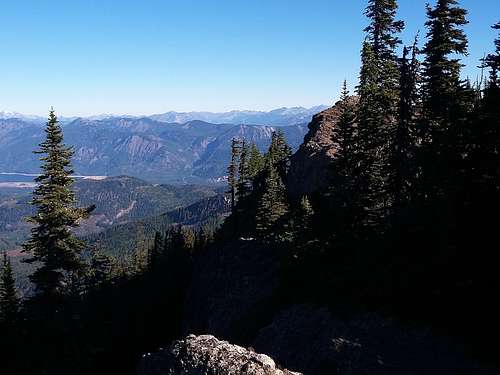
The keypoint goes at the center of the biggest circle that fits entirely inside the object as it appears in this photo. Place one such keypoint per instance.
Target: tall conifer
(52, 242)
(232, 172)
(378, 92)
(9, 299)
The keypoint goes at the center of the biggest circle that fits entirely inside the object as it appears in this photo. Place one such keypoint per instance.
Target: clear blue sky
(142, 57)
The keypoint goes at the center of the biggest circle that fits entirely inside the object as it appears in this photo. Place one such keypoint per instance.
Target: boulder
(206, 355)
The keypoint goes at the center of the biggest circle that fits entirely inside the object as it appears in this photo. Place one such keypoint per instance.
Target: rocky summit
(206, 355)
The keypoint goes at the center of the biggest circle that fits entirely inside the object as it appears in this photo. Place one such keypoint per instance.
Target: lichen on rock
(206, 355)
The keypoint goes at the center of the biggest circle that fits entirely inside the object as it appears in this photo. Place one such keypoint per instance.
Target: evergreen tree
(492, 62)
(345, 171)
(404, 145)
(279, 152)
(383, 27)
(52, 243)
(244, 182)
(256, 162)
(156, 252)
(444, 101)
(232, 172)
(273, 203)
(378, 92)
(102, 267)
(304, 216)
(9, 299)
(441, 74)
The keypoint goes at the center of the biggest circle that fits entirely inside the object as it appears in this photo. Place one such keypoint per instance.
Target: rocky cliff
(206, 355)
(309, 170)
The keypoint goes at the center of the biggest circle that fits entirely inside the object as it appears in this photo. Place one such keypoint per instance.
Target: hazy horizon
(8, 113)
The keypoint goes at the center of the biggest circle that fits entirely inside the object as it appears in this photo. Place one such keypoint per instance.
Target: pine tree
(52, 243)
(9, 299)
(383, 27)
(378, 92)
(444, 103)
(244, 182)
(404, 146)
(441, 74)
(101, 269)
(156, 252)
(304, 216)
(256, 162)
(232, 171)
(344, 166)
(273, 203)
(279, 152)
(492, 62)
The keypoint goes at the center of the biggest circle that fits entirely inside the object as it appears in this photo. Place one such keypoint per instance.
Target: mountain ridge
(275, 117)
(192, 152)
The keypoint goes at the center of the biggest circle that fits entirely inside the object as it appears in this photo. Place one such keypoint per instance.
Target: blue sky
(142, 57)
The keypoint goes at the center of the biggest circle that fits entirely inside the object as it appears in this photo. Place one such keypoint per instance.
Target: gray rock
(206, 355)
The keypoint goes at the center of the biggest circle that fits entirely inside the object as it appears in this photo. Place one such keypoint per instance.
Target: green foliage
(52, 242)
(403, 149)
(345, 166)
(232, 171)
(273, 204)
(256, 162)
(441, 74)
(244, 180)
(102, 269)
(9, 299)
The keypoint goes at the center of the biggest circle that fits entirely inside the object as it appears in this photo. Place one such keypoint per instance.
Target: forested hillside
(117, 200)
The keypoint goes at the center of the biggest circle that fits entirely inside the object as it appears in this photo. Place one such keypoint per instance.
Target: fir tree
(371, 138)
(383, 27)
(441, 74)
(244, 182)
(279, 152)
(346, 157)
(102, 267)
(404, 145)
(256, 162)
(232, 172)
(9, 299)
(273, 203)
(492, 62)
(378, 92)
(156, 252)
(52, 243)
(304, 216)
(444, 103)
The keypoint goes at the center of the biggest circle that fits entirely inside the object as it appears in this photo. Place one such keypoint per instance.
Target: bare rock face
(310, 165)
(206, 355)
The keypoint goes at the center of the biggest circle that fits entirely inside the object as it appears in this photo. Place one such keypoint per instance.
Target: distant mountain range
(276, 117)
(151, 148)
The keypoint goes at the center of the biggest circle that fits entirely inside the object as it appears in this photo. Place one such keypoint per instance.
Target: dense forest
(406, 226)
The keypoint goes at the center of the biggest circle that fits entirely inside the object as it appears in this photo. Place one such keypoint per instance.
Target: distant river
(25, 180)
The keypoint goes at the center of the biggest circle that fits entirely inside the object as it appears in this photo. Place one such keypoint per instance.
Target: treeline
(408, 224)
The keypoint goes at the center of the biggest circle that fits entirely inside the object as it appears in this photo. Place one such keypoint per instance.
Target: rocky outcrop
(206, 355)
(309, 170)
(316, 342)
